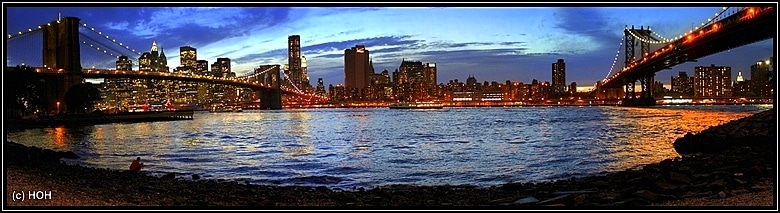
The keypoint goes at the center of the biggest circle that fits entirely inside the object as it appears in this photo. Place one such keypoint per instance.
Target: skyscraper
(430, 75)
(188, 56)
(712, 81)
(559, 77)
(759, 76)
(304, 83)
(294, 59)
(201, 67)
(123, 63)
(154, 60)
(356, 67)
(320, 87)
(682, 83)
(223, 66)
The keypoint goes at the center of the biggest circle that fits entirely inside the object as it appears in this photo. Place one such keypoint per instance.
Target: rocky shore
(744, 163)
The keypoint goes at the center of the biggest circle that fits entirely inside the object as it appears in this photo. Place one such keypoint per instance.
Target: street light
(58, 107)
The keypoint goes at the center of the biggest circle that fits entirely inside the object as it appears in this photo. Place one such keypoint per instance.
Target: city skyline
(509, 49)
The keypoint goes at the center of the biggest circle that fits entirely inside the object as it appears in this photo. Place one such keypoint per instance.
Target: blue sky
(492, 43)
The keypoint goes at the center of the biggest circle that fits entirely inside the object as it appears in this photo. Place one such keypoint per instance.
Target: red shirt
(135, 166)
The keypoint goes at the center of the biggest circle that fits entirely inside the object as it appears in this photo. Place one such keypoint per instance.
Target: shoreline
(735, 172)
(96, 119)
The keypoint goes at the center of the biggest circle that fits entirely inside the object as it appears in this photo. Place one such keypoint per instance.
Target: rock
(527, 200)
(573, 192)
(195, 177)
(556, 200)
(170, 175)
(679, 178)
(666, 187)
(647, 195)
(581, 199)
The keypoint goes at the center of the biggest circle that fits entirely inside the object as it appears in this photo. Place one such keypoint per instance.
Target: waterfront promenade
(740, 175)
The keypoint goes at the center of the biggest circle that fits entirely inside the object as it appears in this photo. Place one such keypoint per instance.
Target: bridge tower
(646, 90)
(271, 99)
(630, 44)
(61, 51)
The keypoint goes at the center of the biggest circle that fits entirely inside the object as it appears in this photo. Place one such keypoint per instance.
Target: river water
(369, 147)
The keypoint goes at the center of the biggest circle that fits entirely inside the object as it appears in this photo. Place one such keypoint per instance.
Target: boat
(416, 105)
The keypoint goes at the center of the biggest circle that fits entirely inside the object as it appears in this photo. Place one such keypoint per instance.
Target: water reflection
(650, 132)
(298, 132)
(59, 137)
(367, 147)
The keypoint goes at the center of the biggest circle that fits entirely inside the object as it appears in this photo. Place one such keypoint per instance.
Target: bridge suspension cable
(668, 40)
(95, 47)
(616, 58)
(296, 87)
(256, 74)
(84, 25)
(29, 30)
(93, 43)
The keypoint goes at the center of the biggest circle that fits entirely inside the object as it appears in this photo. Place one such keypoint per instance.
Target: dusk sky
(491, 43)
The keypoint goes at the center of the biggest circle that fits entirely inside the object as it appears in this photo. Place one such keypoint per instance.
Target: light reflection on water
(370, 147)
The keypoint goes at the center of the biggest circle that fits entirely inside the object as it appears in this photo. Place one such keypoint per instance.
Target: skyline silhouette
(493, 44)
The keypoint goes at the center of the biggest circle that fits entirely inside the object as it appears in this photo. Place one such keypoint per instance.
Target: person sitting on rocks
(136, 165)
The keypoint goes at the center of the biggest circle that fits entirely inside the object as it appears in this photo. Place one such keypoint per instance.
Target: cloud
(368, 42)
(153, 22)
(586, 29)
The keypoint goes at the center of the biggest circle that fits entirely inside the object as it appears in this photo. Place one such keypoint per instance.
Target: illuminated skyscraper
(123, 63)
(304, 83)
(430, 75)
(559, 77)
(759, 77)
(739, 76)
(294, 59)
(188, 56)
(320, 87)
(712, 81)
(201, 67)
(682, 83)
(356, 68)
(223, 66)
(154, 60)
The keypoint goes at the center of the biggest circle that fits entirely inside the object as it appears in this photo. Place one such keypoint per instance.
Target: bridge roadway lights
(638, 102)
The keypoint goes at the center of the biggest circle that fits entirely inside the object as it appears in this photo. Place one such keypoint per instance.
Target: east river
(369, 147)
